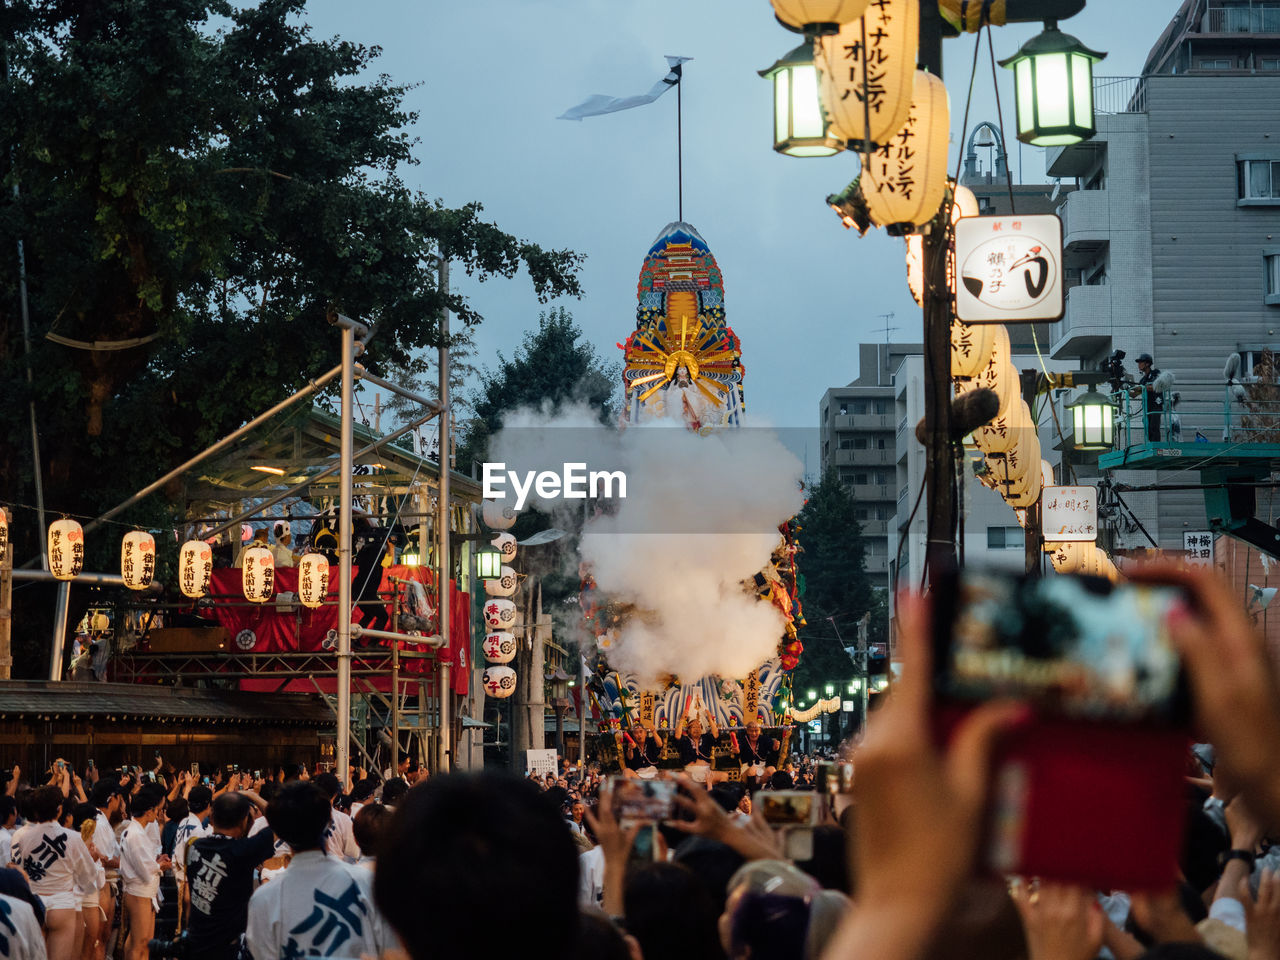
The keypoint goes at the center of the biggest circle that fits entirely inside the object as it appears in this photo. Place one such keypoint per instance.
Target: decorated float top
(682, 361)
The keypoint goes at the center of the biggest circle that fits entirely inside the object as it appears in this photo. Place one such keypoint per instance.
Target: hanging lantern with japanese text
(971, 344)
(963, 204)
(137, 559)
(997, 374)
(313, 579)
(499, 614)
(892, 32)
(258, 576)
(4, 535)
(66, 548)
(499, 682)
(905, 180)
(499, 647)
(195, 568)
(1001, 433)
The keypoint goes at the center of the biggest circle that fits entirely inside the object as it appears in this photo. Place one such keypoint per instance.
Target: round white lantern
(499, 682)
(503, 586)
(506, 545)
(971, 344)
(499, 647)
(814, 17)
(905, 180)
(498, 514)
(258, 577)
(892, 29)
(997, 374)
(1070, 556)
(66, 548)
(313, 579)
(1001, 433)
(499, 614)
(195, 568)
(137, 559)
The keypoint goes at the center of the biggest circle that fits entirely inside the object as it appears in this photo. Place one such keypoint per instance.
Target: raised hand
(1062, 922)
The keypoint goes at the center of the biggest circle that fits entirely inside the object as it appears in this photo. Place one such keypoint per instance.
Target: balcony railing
(1247, 17)
(1239, 414)
(1119, 95)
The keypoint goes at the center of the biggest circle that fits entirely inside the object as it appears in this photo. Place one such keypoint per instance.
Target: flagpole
(680, 145)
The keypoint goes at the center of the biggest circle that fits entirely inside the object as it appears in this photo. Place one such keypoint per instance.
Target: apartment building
(1172, 239)
(858, 437)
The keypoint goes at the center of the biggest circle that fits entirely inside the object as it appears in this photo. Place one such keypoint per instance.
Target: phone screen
(1077, 647)
(792, 808)
(643, 801)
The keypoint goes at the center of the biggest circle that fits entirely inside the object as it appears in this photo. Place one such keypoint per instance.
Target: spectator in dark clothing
(368, 577)
(220, 873)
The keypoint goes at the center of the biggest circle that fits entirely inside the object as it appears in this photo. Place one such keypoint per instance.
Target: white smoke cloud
(700, 516)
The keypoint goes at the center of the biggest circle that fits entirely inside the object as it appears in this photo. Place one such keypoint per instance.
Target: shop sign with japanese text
(1069, 514)
(1010, 269)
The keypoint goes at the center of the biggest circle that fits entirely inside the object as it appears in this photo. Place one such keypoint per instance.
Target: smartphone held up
(1089, 790)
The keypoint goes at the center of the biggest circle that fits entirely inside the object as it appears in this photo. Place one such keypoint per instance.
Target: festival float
(683, 365)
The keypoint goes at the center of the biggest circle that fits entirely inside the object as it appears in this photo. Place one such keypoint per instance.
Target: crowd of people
(484, 865)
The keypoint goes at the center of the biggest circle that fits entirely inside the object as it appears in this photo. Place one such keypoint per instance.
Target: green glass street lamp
(1053, 81)
(813, 694)
(1092, 420)
(488, 563)
(799, 127)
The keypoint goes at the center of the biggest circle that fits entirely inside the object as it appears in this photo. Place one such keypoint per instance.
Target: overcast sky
(800, 291)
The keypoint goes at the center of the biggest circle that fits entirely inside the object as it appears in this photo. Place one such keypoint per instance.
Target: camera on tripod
(1113, 367)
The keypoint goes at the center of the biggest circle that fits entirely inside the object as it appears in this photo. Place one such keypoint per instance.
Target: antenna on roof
(886, 317)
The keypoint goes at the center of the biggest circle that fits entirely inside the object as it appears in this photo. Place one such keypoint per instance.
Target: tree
(837, 590)
(192, 204)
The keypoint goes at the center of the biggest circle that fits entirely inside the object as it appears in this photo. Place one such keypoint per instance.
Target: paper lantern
(971, 344)
(137, 559)
(905, 180)
(313, 579)
(498, 514)
(1022, 461)
(499, 614)
(499, 647)
(498, 682)
(195, 568)
(1070, 556)
(1029, 494)
(997, 374)
(258, 576)
(506, 545)
(4, 535)
(1001, 434)
(964, 204)
(1046, 473)
(817, 17)
(66, 548)
(892, 29)
(503, 586)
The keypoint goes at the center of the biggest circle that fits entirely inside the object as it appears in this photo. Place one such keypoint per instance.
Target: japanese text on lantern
(897, 172)
(874, 89)
(1070, 513)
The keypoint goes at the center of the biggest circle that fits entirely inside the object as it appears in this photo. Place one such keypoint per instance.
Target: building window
(1259, 180)
(1215, 63)
(1269, 64)
(846, 443)
(1271, 270)
(860, 479)
(848, 476)
(844, 409)
(859, 408)
(879, 443)
(1004, 538)
(985, 205)
(881, 407)
(859, 443)
(860, 513)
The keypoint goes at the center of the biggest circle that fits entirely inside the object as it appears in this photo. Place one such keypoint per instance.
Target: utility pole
(444, 735)
(6, 607)
(940, 543)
